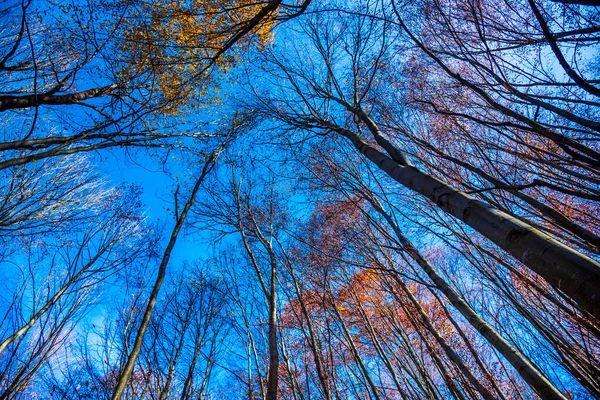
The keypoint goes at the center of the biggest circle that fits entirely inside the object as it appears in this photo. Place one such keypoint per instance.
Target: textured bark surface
(273, 378)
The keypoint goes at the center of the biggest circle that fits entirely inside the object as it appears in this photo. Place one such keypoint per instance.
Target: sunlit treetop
(169, 46)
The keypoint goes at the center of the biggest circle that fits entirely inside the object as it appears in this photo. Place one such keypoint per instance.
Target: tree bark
(34, 100)
(573, 273)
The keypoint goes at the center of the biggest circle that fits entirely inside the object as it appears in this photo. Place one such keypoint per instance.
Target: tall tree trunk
(273, 377)
(452, 355)
(527, 371)
(573, 273)
(353, 349)
(377, 344)
(127, 371)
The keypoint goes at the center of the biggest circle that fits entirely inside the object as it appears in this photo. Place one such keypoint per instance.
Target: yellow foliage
(169, 44)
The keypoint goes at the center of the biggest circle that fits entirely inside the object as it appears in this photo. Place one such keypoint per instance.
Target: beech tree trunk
(33, 100)
(567, 270)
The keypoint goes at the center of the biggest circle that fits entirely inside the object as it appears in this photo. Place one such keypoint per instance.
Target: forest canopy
(303, 199)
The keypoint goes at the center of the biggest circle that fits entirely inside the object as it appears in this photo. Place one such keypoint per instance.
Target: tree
(126, 77)
(54, 277)
(125, 66)
(317, 99)
(255, 215)
(399, 202)
(180, 217)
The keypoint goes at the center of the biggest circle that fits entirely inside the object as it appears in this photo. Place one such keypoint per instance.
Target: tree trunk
(137, 347)
(527, 371)
(273, 377)
(573, 273)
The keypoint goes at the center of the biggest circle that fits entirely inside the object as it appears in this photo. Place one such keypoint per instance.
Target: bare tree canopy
(303, 199)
